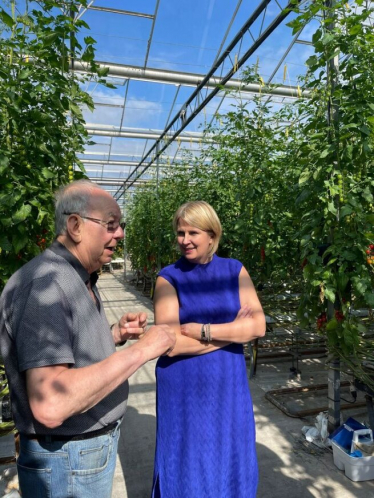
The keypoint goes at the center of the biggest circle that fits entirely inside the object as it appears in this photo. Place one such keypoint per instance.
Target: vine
(41, 123)
(294, 187)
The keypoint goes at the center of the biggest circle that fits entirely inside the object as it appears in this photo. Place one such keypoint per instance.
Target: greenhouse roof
(172, 64)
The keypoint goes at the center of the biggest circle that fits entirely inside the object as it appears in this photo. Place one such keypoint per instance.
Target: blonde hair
(201, 215)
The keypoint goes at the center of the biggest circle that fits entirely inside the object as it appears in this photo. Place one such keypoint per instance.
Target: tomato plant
(41, 123)
(296, 199)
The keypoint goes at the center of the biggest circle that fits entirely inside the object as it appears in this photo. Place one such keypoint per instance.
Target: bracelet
(203, 337)
(208, 332)
(205, 332)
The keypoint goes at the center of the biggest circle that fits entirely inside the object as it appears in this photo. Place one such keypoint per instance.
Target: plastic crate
(356, 469)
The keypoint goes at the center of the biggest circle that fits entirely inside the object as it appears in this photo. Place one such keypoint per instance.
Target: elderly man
(68, 384)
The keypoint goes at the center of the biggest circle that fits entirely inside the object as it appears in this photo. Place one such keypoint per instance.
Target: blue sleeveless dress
(205, 443)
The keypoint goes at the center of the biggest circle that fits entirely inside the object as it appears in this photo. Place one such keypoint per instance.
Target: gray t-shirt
(47, 317)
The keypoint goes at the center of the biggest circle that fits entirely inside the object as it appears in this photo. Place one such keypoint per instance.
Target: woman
(205, 445)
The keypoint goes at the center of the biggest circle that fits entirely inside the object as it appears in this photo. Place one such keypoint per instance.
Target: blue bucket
(343, 435)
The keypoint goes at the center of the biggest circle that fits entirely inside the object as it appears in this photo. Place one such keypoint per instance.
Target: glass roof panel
(185, 39)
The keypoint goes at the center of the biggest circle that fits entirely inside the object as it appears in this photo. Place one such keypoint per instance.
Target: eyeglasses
(111, 226)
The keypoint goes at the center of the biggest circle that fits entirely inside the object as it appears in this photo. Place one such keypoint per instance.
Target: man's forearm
(58, 392)
(55, 398)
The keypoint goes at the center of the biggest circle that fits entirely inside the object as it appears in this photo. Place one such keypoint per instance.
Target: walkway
(289, 466)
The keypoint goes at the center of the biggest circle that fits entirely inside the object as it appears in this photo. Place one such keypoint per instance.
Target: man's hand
(158, 340)
(130, 326)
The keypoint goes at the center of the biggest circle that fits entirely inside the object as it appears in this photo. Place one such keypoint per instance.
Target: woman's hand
(192, 330)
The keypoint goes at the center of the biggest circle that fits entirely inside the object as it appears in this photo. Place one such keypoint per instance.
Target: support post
(334, 369)
(158, 208)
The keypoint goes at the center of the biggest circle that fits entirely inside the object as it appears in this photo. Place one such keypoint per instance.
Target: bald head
(78, 197)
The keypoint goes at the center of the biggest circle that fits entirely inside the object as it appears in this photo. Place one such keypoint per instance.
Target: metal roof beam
(120, 11)
(187, 79)
(151, 34)
(115, 182)
(193, 105)
(114, 131)
(128, 163)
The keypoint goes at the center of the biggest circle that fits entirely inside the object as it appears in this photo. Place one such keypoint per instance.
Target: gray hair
(72, 198)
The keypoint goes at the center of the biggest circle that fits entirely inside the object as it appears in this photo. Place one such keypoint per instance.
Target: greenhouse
(214, 168)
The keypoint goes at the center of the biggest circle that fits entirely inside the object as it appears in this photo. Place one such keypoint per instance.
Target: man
(68, 384)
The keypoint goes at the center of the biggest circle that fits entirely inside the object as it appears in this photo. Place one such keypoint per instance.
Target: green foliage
(6, 427)
(335, 151)
(295, 200)
(41, 124)
(245, 175)
(150, 241)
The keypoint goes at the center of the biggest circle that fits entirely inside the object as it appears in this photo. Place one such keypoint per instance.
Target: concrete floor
(289, 466)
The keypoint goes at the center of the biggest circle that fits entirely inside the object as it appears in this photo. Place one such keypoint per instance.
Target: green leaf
(48, 174)
(369, 298)
(345, 211)
(355, 29)
(349, 255)
(305, 239)
(349, 125)
(88, 40)
(365, 130)
(367, 195)
(330, 294)
(19, 241)
(5, 245)
(342, 281)
(332, 324)
(49, 39)
(103, 71)
(331, 207)
(6, 199)
(327, 38)
(360, 286)
(312, 61)
(7, 222)
(21, 214)
(325, 153)
(4, 160)
(6, 18)
(75, 109)
(304, 177)
(41, 215)
(24, 74)
(361, 328)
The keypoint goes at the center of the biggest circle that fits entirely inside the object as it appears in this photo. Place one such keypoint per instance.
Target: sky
(186, 38)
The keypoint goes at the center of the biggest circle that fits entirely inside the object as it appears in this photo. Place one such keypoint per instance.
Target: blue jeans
(68, 469)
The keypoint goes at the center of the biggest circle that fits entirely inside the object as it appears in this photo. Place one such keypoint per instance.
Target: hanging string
(284, 73)
(257, 65)
(262, 83)
(236, 63)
